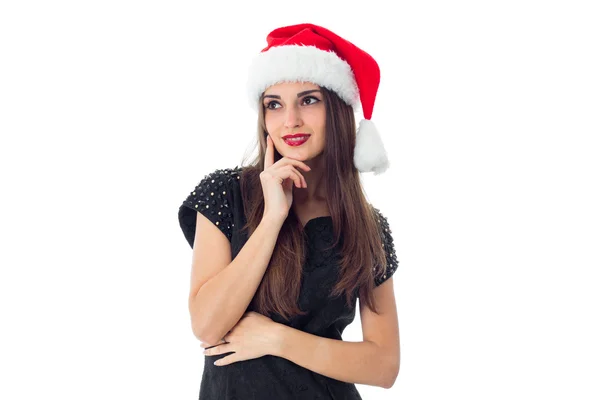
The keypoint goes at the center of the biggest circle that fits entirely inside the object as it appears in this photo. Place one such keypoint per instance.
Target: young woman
(283, 247)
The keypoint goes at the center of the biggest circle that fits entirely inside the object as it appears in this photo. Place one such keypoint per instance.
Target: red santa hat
(311, 53)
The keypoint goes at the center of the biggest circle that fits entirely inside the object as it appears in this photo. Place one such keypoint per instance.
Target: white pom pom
(369, 152)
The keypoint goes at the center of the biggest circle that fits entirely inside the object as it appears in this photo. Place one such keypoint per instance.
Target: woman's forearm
(221, 301)
(354, 362)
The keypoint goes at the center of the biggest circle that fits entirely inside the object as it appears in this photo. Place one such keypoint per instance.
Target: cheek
(322, 139)
(271, 122)
(319, 125)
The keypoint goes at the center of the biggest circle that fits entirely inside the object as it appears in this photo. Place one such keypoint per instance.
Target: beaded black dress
(218, 197)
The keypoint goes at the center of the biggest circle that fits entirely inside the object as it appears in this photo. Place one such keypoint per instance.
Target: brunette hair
(351, 214)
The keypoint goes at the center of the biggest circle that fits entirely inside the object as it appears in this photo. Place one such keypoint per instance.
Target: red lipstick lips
(296, 140)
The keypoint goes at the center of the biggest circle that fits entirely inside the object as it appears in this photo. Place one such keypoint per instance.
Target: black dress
(218, 197)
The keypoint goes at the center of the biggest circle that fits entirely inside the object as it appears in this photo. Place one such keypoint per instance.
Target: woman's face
(293, 108)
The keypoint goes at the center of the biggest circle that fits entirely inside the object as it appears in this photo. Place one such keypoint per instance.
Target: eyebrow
(299, 94)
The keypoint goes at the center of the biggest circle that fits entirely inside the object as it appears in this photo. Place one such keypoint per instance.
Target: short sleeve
(388, 246)
(213, 198)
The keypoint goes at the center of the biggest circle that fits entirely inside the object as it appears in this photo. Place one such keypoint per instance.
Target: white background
(112, 111)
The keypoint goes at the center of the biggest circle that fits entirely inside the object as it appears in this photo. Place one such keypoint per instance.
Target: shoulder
(388, 246)
(220, 177)
(385, 230)
(212, 196)
(381, 220)
(213, 187)
(215, 183)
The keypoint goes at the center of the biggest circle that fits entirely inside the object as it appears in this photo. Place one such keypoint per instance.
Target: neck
(316, 192)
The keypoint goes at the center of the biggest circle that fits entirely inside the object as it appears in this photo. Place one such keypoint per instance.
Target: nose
(292, 118)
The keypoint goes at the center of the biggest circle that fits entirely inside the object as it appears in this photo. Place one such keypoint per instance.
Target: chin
(297, 155)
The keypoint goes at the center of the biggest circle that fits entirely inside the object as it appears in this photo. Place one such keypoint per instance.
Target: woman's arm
(355, 362)
(374, 361)
(224, 297)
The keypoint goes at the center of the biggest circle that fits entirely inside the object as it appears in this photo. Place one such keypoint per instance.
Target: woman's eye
(304, 100)
(269, 104)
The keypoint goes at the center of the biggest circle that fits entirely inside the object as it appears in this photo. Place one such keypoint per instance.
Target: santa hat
(311, 53)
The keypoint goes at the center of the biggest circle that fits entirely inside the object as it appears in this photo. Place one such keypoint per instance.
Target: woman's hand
(252, 337)
(277, 179)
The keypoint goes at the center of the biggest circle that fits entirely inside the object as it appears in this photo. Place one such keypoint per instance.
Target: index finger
(269, 154)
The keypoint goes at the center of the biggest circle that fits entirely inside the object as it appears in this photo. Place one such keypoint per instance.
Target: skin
(373, 361)
(289, 114)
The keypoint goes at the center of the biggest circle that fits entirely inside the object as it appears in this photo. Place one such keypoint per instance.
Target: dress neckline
(322, 217)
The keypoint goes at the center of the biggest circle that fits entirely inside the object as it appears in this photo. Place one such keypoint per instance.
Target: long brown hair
(351, 214)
